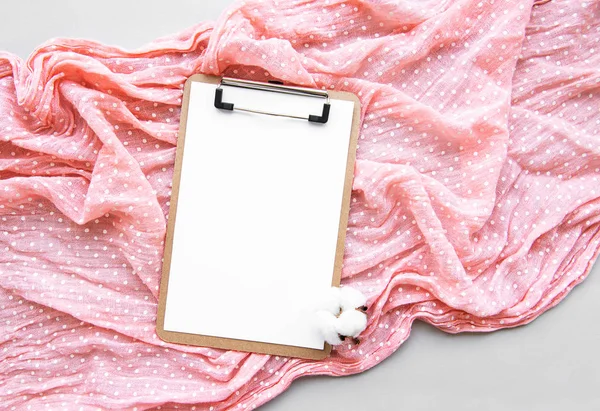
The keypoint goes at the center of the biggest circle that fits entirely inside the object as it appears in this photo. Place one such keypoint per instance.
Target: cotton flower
(341, 314)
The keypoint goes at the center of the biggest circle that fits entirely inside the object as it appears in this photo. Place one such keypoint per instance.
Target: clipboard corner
(162, 334)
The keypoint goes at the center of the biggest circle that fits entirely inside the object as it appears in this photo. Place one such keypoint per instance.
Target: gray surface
(26, 24)
(549, 365)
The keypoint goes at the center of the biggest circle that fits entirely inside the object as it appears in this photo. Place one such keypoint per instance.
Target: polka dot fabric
(475, 203)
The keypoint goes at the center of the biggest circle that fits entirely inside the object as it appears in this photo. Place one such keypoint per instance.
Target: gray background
(550, 364)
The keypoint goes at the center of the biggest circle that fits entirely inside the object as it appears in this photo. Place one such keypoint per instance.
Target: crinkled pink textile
(475, 203)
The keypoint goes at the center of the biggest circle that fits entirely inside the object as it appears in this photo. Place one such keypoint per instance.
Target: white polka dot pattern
(475, 202)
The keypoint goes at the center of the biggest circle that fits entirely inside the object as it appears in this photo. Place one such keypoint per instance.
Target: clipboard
(235, 143)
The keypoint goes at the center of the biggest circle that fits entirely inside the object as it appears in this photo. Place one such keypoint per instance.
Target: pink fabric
(475, 203)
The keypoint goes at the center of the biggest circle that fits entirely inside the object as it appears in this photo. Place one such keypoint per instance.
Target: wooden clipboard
(233, 343)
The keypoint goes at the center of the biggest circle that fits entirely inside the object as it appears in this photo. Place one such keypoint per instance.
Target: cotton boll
(351, 323)
(326, 322)
(351, 298)
(329, 300)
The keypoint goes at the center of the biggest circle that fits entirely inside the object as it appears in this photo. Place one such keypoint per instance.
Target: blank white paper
(257, 217)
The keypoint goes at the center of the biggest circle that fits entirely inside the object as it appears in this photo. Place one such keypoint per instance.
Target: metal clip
(255, 85)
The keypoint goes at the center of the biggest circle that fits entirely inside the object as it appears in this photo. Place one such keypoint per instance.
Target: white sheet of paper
(257, 217)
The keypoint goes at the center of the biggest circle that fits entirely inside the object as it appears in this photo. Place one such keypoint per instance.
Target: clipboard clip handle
(277, 88)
